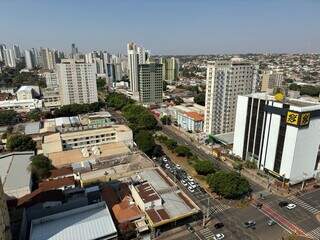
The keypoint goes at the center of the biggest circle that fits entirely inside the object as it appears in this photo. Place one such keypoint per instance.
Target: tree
(34, 115)
(40, 166)
(8, 117)
(166, 120)
(117, 100)
(228, 184)
(204, 167)
(19, 142)
(101, 84)
(294, 87)
(76, 109)
(183, 151)
(200, 99)
(157, 151)
(145, 141)
(171, 144)
(238, 166)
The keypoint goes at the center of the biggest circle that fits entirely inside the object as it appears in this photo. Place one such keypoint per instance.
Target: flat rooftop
(175, 203)
(14, 171)
(225, 138)
(75, 155)
(90, 222)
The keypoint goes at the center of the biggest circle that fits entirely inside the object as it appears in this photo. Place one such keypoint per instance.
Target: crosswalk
(207, 233)
(304, 205)
(218, 208)
(315, 233)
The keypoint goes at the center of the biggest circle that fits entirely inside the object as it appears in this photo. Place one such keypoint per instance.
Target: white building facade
(225, 81)
(282, 137)
(77, 82)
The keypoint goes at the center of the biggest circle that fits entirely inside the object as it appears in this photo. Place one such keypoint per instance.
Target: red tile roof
(157, 215)
(126, 211)
(57, 183)
(147, 192)
(40, 195)
(61, 172)
(195, 116)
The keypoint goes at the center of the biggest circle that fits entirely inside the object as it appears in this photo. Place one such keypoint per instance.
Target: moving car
(218, 225)
(271, 222)
(219, 236)
(283, 204)
(250, 224)
(291, 206)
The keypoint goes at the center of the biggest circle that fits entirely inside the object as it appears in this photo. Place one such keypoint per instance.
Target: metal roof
(32, 128)
(90, 222)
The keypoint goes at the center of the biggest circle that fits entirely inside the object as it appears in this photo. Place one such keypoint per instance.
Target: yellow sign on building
(293, 118)
(305, 119)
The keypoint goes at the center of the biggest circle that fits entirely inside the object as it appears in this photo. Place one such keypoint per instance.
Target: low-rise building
(21, 105)
(191, 121)
(282, 137)
(16, 178)
(28, 92)
(91, 222)
(51, 98)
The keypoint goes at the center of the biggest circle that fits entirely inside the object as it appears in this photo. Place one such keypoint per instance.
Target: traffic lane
(311, 198)
(255, 187)
(299, 216)
(234, 220)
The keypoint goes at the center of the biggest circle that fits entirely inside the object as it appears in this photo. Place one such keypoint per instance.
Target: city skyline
(202, 27)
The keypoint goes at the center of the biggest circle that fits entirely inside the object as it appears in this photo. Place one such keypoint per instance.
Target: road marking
(304, 205)
(315, 233)
(218, 208)
(207, 233)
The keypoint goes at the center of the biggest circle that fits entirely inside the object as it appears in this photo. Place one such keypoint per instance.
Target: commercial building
(28, 92)
(271, 80)
(225, 81)
(160, 199)
(281, 137)
(22, 105)
(15, 176)
(190, 121)
(150, 83)
(5, 233)
(90, 222)
(77, 82)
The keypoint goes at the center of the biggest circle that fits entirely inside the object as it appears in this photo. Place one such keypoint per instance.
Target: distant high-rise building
(150, 83)
(17, 52)
(77, 81)
(271, 80)
(225, 81)
(143, 55)
(30, 59)
(2, 48)
(170, 69)
(5, 232)
(133, 67)
(74, 50)
(9, 58)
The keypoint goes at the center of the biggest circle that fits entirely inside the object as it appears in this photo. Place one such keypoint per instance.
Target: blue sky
(166, 26)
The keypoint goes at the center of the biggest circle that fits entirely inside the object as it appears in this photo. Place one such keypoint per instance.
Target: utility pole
(304, 181)
(206, 214)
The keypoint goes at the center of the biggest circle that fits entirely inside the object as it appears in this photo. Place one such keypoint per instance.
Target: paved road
(168, 131)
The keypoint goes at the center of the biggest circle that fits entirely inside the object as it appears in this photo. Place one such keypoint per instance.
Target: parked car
(167, 166)
(271, 222)
(283, 204)
(165, 159)
(218, 225)
(190, 178)
(190, 189)
(219, 236)
(184, 183)
(178, 166)
(291, 206)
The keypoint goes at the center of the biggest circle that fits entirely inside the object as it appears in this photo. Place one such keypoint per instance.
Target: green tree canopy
(145, 141)
(183, 151)
(204, 167)
(101, 84)
(76, 109)
(228, 184)
(40, 166)
(8, 117)
(34, 115)
(200, 99)
(19, 142)
(166, 120)
(117, 100)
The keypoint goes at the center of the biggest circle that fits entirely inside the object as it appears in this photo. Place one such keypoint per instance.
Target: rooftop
(75, 155)
(147, 193)
(90, 222)
(57, 183)
(14, 172)
(195, 116)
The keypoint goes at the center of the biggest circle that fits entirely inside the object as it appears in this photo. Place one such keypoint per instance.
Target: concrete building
(281, 137)
(225, 81)
(271, 80)
(30, 59)
(28, 92)
(170, 68)
(150, 83)
(133, 67)
(9, 57)
(47, 59)
(16, 178)
(22, 105)
(51, 79)
(91, 222)
(77, 82)
(190, 121)
(5, 233)
(51, 98)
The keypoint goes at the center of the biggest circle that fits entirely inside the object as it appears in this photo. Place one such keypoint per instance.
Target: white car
(190, 189)
(190, 179)
(165, 159)
(219, 236)
(291, 206)
(184, 183)
(167, 166)
(192, 184)
(178, 166)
